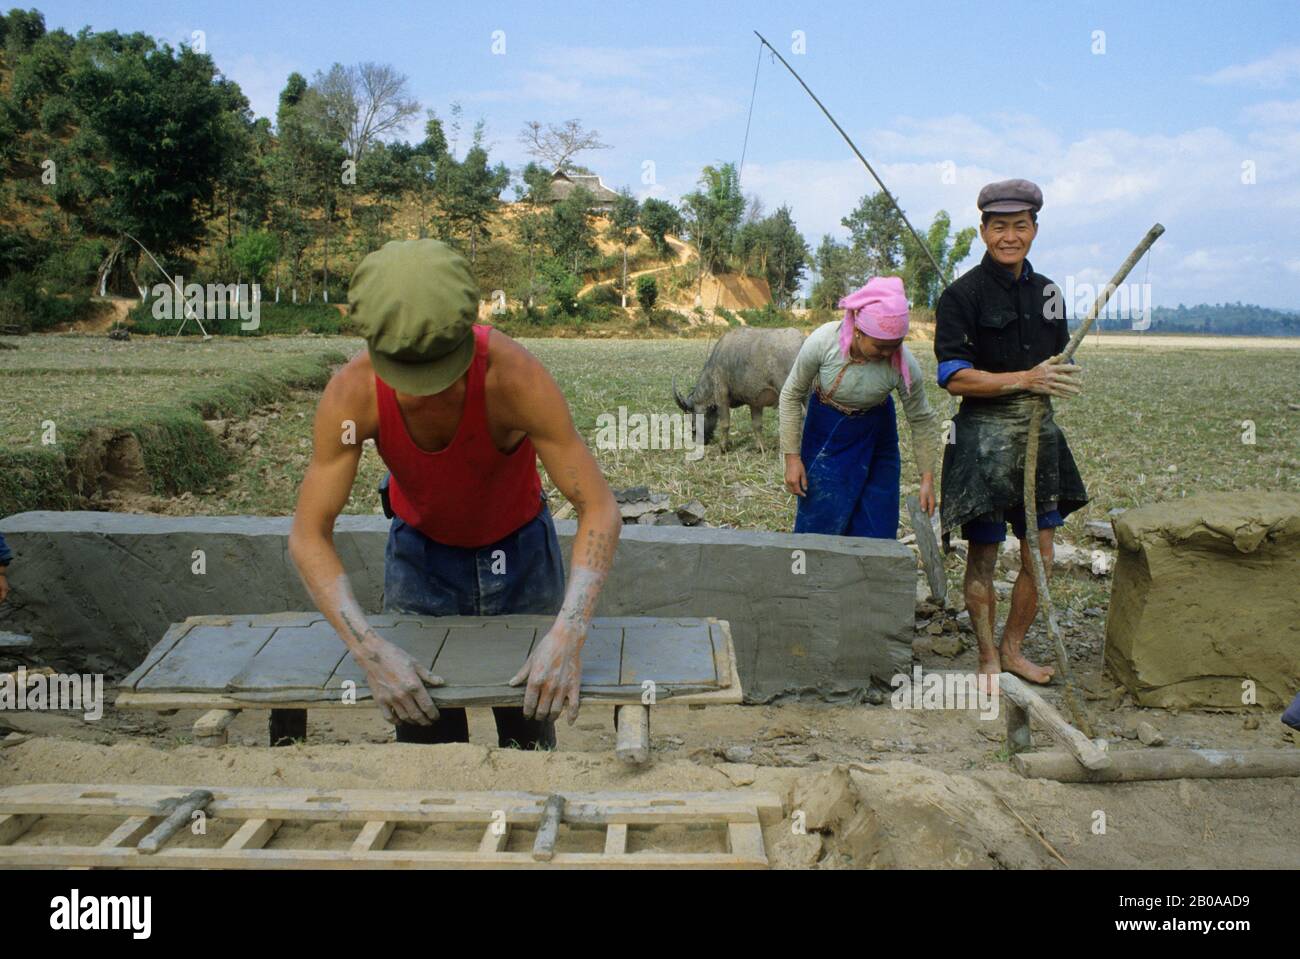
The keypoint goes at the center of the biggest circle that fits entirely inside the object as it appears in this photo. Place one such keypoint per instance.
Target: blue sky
(1188, 102)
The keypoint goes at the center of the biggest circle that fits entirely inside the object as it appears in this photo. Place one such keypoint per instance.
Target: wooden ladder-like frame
(261, 812)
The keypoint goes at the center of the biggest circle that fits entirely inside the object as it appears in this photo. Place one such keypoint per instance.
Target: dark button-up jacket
(992, 322)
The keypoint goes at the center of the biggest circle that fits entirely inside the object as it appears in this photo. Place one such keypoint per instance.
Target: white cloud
(1275, 70)
(1273, 112)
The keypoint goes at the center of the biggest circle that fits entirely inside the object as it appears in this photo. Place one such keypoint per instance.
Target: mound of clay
(1205, 597)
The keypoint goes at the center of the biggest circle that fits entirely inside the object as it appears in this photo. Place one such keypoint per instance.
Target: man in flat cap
(460, 414)
(997, 327)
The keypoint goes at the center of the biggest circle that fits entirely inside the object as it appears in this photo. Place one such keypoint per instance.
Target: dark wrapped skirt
(984, 462)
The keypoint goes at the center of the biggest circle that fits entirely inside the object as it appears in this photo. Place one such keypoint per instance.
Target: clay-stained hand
(796, 480)
(927, 493)
(398, 682)
(553, 672)
(4, 585)
(1054, 379)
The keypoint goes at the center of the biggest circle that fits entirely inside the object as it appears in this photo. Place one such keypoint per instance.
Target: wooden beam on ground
(210, 728)
(616, 839)
(176, 820)
(374, 836)
(633, 742)
(1080, 746)
(13, 826)
(1135, 765)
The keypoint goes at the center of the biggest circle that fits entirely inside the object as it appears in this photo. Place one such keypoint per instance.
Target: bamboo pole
(1039, 407)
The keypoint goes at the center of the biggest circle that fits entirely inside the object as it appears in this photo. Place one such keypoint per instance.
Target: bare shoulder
(519, 383)
(350, 393)
(511, 368)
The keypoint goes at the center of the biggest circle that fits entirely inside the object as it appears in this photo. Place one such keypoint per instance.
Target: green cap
(415, 302)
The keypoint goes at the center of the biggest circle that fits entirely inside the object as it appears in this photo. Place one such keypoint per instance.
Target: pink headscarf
(879, 309)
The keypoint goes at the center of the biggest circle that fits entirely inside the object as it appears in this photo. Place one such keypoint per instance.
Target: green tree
(923, 284)
(875, 238)
(471, 192)
(622, 230)
(713, 216)
(836, 272)
(658, 219)
(647, 292)
(568, 230)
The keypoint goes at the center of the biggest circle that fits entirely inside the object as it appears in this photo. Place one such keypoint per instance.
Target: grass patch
(68, 388)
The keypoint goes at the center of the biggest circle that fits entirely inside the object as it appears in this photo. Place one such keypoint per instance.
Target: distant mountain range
(1224, 319)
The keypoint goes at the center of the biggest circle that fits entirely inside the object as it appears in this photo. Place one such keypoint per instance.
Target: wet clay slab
(300, 657)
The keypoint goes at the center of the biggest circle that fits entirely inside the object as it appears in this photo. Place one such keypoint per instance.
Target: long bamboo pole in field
(1039, 407)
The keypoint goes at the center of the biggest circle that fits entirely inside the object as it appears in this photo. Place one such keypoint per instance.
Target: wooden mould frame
(729, 690)
(261, 812)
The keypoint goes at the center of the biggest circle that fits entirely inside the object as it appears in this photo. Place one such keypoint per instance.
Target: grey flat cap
(1010, 196)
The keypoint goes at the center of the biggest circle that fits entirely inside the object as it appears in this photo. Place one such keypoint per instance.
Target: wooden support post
(745, 840)
(176, 820)
(1019, 737)
(616, 839)
(130, 832)
(633, 742)
(253, 834)
(548, 829)
(1083, 748)
(494, 838)
(210, 728)
(1133, 765)
(374, 836)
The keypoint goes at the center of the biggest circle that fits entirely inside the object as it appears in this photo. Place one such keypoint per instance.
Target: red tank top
(468, 494)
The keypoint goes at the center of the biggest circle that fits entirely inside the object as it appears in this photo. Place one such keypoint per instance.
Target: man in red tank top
(460, 414)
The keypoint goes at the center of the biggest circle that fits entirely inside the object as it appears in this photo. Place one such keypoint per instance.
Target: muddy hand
(398, 682)
(554, 675)
(1054, 379)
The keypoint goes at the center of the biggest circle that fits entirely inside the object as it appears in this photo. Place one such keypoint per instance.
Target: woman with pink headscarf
(845, 467)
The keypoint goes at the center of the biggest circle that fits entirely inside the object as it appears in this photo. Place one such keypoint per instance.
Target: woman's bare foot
(1031, 672)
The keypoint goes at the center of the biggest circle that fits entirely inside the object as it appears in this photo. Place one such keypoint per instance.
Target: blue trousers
(521, 573)
(854, 470)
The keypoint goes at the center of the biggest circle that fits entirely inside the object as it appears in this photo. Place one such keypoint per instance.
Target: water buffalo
(747, 367)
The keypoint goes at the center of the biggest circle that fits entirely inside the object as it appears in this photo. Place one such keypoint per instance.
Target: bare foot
(1016, 663)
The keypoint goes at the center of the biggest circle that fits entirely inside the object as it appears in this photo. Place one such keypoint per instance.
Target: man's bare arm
(553, 671)
(396, 681)
(1047, 378)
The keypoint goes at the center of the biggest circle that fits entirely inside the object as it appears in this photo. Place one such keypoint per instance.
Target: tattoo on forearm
(580, 598)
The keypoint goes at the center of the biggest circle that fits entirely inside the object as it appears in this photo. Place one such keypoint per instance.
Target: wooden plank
(632, 744)
(548, 829)
(495, 837)
(616, 839)
(1133, 765)
(14, 825)
(1040, 710)
(131, 831)
(210, 728)
(253, 834)
(745, 840)
(374, 836)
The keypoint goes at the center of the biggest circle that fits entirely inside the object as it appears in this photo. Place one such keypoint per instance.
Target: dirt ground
(878, 787)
